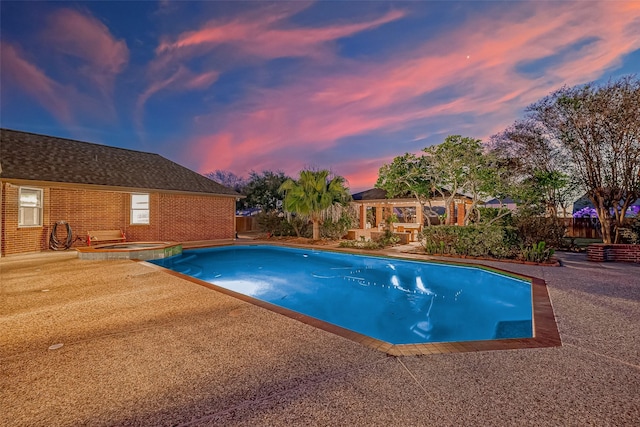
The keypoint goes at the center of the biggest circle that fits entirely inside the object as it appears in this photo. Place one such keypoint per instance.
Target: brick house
(44, 179)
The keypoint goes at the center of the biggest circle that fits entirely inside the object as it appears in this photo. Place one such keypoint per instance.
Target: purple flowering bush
(588, 212)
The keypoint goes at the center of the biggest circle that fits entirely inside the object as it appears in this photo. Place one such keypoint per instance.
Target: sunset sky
(339, 85)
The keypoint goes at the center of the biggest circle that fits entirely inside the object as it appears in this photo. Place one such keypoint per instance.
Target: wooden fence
(246, 223)
(588, 228)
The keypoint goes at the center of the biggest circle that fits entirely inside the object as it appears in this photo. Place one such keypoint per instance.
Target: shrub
(337, 229)
(635, 229)
(495, 216)
(538, 252)
(483, 241)
(534, 229)
(275, 223)
(387, 238)
(360, 244)
(631, 232)
(586, 212)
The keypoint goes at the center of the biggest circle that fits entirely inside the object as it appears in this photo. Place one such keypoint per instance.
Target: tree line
(317, 196)
(577, 140)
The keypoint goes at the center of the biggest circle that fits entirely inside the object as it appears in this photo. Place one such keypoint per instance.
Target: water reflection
(252, 287)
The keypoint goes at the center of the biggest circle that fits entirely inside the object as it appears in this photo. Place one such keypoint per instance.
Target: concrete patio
(142, 347)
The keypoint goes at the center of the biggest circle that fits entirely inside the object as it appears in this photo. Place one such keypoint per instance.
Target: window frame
(39, 207)
(132, 216)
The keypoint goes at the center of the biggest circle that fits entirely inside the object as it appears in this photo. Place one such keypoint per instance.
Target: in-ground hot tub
(131, 250)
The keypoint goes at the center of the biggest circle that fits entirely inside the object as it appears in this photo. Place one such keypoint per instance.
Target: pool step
(189, 269)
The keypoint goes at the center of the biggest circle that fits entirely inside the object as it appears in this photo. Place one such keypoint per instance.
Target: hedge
(472, 240)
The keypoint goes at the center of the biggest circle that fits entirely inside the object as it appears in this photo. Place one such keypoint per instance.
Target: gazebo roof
(378, 194)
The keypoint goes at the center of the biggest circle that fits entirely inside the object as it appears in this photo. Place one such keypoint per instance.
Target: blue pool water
(397, 301)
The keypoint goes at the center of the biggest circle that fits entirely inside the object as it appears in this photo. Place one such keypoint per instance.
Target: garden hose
(57, 245)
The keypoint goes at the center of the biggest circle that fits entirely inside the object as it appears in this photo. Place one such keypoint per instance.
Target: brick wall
(174, 217)
(188, 218)
(601, 252)
(86, 210)
(24, 239)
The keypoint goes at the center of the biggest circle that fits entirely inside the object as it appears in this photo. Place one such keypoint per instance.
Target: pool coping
(545, 329)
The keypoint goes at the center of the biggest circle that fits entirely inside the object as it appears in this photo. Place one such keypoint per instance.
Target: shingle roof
(372, 194)
(380, 194)
(36, 157)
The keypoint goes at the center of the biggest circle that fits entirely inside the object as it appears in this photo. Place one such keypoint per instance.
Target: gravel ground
(145, 348)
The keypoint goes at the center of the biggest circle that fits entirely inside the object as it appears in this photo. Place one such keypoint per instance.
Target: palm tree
(314, 195)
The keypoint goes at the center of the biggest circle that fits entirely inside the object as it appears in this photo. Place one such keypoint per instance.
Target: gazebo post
(461, 213)
(452, 210)
(378, 215)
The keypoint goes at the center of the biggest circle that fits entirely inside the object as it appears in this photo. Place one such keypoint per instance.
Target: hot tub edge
(104, 252)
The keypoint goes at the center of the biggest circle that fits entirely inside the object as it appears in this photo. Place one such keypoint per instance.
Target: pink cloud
(259, 36)
(222, 146)
(82, 36)
(219, 31)
(32, 80)
(200, 81)
(316, 111)
(181, 80)
(362, 174)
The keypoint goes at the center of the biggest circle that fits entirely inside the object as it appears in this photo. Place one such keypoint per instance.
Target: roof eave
(99, 187)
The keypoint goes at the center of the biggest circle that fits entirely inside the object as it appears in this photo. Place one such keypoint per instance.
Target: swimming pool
(392, 300)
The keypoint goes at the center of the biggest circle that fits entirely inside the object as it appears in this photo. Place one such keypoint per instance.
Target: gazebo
(373, 208)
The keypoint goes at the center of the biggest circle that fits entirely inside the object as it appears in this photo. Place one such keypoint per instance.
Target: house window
(30, 207)
(139, 209)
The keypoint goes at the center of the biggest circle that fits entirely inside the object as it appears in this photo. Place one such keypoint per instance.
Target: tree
(487, 176)
(314, 195)
(538, 166)
(262, 190)
(456, 165)
(598, 128)
(497, 181)
(408, 174)
(228, 179)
